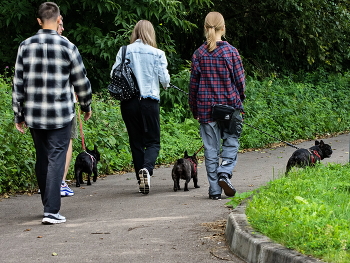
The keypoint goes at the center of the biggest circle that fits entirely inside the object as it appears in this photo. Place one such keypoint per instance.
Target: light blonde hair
(144, 30)
(214, 21)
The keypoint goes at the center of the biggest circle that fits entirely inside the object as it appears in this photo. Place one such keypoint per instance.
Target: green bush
(301, 109)
(287, 108)
(16, 150)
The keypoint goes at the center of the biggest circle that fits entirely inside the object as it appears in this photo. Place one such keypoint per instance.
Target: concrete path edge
(254, 247)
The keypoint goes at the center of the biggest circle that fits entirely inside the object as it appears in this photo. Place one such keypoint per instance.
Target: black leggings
(141, 117)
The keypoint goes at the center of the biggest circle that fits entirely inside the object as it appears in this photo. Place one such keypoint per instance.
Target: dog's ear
(95, 148)
(317, 142)
(321, 143)
(185, 154)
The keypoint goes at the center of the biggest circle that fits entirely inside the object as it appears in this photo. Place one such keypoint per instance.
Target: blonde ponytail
(213, 22)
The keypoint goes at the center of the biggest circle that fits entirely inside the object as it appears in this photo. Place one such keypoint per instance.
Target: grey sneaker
(50, 219)
(226, 185)
(145, 181)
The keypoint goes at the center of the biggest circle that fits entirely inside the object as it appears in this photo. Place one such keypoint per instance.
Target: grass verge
(307, 211)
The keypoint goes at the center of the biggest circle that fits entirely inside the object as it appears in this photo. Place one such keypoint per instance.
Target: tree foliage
(99, 27)
(290, 35)
(271, 35)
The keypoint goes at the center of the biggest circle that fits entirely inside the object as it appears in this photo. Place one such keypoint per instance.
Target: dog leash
(81, 128)
(174, 87)
(289, 144)
(199, 149)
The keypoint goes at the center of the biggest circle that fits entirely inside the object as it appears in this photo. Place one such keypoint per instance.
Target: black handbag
(228, 118)
(123, 85)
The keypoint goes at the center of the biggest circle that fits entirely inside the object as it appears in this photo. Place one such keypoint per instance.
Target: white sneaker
(145, 181)
(50, 219)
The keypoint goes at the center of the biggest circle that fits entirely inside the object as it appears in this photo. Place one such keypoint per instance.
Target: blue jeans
(218, 143)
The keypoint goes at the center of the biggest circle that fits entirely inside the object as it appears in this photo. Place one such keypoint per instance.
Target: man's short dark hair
(48, 11)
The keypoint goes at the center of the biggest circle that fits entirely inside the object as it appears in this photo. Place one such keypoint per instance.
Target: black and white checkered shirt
(47, 65)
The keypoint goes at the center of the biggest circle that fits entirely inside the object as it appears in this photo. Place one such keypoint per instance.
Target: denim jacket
(149, 65)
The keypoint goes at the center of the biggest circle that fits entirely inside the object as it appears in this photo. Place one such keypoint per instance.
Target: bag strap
(123, 53)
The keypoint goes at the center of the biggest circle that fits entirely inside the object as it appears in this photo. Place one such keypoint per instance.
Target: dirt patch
(214, 238)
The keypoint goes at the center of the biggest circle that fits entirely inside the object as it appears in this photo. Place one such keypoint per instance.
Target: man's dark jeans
(51, 150)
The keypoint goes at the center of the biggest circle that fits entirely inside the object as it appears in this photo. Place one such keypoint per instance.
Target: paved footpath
(111, 222)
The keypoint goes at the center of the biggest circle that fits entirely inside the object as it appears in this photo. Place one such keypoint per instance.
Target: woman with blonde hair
(217, 77)
(141, 114)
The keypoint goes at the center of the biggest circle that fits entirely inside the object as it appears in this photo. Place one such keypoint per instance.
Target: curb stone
(254, 247)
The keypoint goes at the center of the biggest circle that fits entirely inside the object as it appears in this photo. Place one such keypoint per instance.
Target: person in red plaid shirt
(217, 77)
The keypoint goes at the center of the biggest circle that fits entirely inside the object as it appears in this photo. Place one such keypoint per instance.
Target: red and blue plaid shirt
(217, 77)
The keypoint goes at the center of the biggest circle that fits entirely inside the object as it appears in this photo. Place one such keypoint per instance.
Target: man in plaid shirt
(42, 99)
(217, 77)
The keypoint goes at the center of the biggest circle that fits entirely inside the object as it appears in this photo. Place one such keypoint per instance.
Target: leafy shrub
(16, 155)
(287, 108)
(295, 110)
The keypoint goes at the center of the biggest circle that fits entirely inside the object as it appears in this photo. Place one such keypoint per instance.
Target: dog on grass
(308, 157)
(86, 162)
(185, 169)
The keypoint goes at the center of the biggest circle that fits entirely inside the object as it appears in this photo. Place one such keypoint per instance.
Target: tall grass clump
(307, 211)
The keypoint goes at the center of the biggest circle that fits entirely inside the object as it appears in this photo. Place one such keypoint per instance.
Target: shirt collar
(47, 31)
(218, 43)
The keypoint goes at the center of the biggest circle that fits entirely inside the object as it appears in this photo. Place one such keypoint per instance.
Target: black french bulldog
(185, 169)
(308, 157)
(86, 162)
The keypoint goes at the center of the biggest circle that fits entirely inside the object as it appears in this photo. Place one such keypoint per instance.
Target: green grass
(308, 211)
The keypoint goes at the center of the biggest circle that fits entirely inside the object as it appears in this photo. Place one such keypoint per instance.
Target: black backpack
(123, 85)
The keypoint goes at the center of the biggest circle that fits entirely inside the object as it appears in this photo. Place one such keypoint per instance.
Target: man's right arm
(18, 89)
(81, 83)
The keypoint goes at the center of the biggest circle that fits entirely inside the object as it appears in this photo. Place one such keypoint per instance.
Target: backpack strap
(123, 54)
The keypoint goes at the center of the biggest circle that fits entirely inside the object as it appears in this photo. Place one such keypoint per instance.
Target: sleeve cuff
(85, 108)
